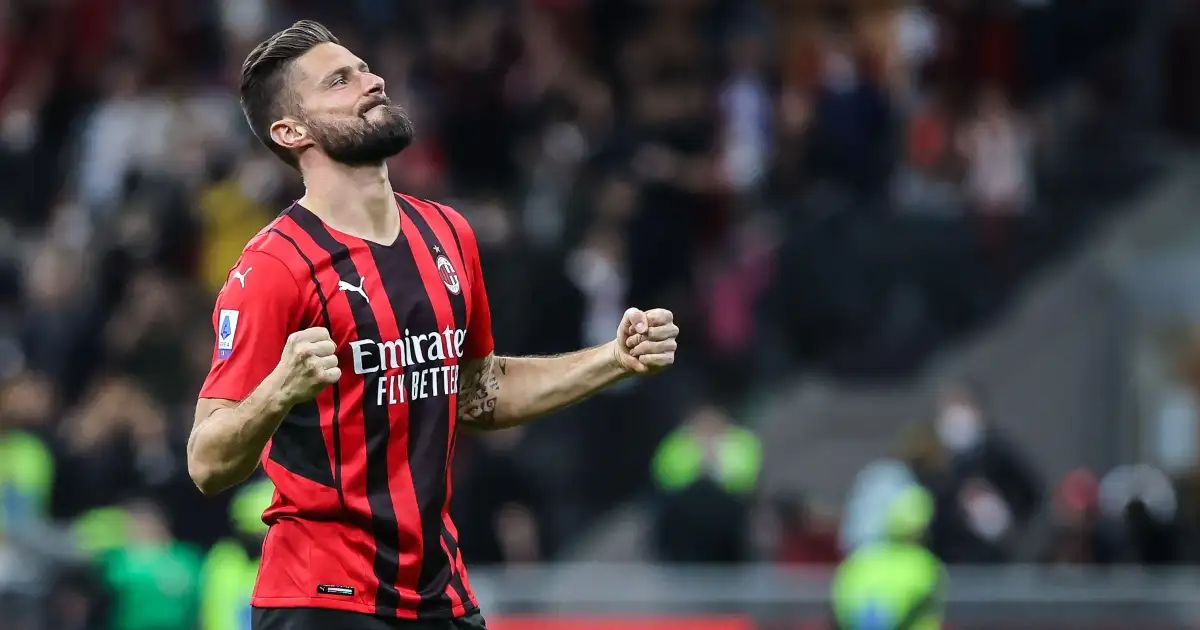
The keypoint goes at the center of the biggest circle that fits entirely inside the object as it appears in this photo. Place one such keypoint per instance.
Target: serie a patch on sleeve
(226, 331)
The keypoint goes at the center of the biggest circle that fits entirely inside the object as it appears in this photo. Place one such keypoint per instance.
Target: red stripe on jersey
(355, 336)
(400, 482)
(352, 435)
(460, 304)
(386, 534)
(457, 564)
(435, 288)
(329, 402)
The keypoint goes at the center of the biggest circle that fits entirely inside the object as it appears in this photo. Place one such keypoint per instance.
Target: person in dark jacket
(990, 492)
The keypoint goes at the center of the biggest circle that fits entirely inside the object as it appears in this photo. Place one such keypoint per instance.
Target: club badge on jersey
(448, 274)
(226, 329)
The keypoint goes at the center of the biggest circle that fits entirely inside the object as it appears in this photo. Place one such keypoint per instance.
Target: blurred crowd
(990, 505)
(809, 184)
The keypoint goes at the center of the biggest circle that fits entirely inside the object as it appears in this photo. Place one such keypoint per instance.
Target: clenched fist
(645, 341)
(309, 364)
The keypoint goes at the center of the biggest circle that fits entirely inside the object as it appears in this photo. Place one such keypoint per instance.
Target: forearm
(513, 390)
(534, 386)
(225, 445)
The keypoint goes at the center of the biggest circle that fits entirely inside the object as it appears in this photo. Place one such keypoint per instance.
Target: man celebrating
(353, 341)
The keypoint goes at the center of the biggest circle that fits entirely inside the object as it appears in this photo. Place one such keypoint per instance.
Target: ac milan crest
(448, 274)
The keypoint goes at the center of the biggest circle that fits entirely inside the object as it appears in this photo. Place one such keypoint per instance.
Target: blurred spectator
(1177, 425)
(733, 278)
(987, 494)
(864, 519)
(597, 269)
(517, 530)
(56, 309)
(494, 492)
(1188, 489)
(1082, 534)
(916, 35)
(115, 447)
(142, 339)
(78, 602)
(233, 209)
(852, 112)
(746, 114)
(997, 147)
(923, 454)
(154, 579)
(804, 536)
(705, 471)
(894, 582)
(231, 567)
(928, 180)
(1142, 500)
(27, 466)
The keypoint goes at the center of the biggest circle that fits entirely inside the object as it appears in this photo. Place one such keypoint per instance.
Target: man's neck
(355, 200)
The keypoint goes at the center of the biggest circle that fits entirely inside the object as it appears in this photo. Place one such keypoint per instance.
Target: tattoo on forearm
(478, 390)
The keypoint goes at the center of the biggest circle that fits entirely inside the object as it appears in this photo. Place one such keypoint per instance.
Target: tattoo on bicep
(477, 392)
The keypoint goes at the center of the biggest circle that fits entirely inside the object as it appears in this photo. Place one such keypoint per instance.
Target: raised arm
(500, 392)
(228, 437)
(260, 370)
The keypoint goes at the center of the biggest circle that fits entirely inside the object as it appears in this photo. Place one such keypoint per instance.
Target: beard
(362, 142)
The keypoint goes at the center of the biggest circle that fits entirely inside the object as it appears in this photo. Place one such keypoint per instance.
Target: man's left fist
(645, 340)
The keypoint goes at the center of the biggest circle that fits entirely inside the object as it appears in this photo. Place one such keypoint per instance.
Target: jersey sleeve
(259, 306)
(479, 328)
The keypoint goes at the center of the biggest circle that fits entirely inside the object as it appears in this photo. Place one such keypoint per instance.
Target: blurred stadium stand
(871, 217)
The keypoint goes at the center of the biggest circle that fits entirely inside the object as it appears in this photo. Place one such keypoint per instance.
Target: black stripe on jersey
(377, 424)
(299, 443)
(458, 303)
(428, 425)
(453, 231)
(459, 307)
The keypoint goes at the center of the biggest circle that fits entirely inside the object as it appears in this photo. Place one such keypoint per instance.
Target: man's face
(344, 109)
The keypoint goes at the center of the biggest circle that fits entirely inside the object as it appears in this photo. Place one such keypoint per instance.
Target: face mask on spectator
(959, 427)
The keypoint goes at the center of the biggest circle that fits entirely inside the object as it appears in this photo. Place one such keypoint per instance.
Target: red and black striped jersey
(360, 519)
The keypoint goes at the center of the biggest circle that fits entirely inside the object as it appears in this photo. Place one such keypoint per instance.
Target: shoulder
(280, 239)
(273, 241)
(270, 254)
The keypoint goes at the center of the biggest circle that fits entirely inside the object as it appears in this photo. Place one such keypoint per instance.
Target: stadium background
(866, 214)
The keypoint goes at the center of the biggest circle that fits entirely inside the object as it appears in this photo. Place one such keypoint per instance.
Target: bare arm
(501, 392)
(228, 437)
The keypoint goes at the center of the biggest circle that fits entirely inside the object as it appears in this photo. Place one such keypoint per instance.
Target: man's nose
(375, 84)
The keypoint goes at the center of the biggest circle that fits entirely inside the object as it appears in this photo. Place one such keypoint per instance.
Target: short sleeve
(479, 328)
(257, 309)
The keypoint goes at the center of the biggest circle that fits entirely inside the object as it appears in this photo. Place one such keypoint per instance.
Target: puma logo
(346, 286)
(240, 276)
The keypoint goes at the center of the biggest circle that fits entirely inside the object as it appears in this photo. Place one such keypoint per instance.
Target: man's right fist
(309, 364)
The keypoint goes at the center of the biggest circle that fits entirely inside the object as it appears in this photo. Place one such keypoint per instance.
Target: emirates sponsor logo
(403, 355)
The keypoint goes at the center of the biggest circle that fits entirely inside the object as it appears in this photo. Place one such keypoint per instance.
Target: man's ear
(291, 134)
